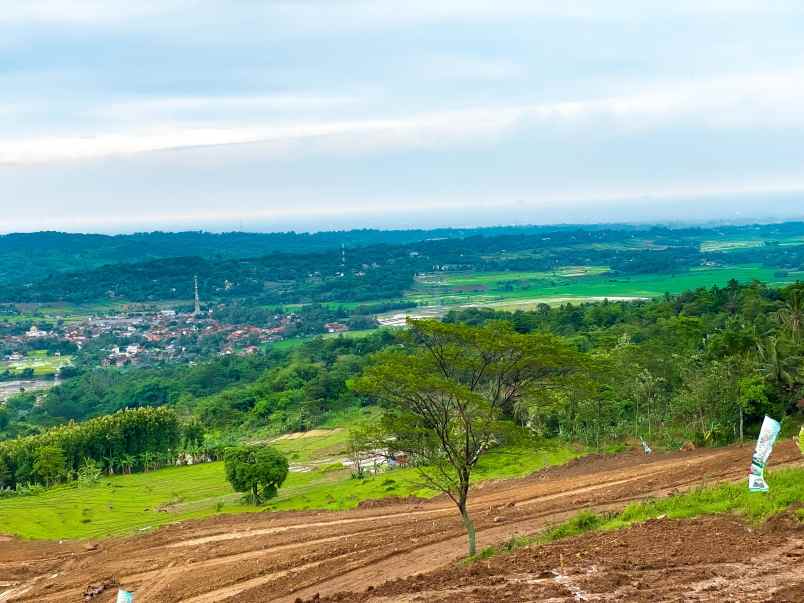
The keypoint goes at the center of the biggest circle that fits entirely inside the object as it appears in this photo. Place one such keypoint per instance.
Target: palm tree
(791, 315)
(778, 367)
(127, 462)
(146, 458)
(109, 461)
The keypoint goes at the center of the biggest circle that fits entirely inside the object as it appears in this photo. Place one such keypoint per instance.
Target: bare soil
(708, 559)
(298, 555)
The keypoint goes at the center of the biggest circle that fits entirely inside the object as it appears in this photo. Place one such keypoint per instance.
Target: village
(134, 338)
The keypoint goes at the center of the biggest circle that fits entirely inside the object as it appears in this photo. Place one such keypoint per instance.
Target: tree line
(140, 439)
(704, 366)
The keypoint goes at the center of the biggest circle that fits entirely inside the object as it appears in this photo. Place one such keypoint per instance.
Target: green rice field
(576, 284)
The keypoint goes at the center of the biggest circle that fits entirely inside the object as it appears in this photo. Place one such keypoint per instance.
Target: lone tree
(256, 470)
(447, 386)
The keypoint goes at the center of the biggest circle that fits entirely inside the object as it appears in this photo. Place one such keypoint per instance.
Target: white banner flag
(767, 436)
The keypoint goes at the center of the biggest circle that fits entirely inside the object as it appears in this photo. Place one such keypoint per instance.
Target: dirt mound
(712, 559)
(785, 523)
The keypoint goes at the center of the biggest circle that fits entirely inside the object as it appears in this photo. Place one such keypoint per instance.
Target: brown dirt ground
(709, 559)
(287, 556)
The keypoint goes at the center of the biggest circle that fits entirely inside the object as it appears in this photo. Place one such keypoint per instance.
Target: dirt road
(284, 556)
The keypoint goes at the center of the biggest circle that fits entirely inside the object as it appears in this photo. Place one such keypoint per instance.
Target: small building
(335, 327)
(35, 333)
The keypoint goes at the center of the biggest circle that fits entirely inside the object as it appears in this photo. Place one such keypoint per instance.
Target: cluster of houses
(30, 335)
(157, 336)
(168, 336)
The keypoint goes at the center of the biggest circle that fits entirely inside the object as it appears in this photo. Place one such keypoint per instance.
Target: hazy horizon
(673, 212)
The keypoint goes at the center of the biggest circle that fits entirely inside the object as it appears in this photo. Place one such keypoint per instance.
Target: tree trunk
(741, 423)
(471, 533)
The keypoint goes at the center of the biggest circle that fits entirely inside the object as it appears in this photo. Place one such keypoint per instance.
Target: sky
(118, 116)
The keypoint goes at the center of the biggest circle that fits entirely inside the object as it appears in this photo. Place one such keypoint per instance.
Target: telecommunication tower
(197, 298)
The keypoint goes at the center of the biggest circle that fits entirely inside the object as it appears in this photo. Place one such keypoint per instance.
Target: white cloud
(419, 130)
(749, 100)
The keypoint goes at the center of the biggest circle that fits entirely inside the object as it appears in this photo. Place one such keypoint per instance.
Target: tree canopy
(256, 470)
(446, 387)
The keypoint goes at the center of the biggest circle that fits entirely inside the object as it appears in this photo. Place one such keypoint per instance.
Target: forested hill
(33, 256)
(381, 272)
(27, 258)
(676, 368)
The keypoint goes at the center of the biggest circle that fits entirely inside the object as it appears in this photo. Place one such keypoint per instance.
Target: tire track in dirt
(162, 576)
(443, 552)
(234, 590)
(447, 509)
(240, 558)
(710, 559)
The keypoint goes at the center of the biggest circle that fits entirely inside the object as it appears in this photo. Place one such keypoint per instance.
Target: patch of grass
(120, 504)
(585, 521)
(337, 491)
(127, 503)
(295, 342)
(314, 448)
(517, 461)
(786, 489)
(326, 441)
(41, 363)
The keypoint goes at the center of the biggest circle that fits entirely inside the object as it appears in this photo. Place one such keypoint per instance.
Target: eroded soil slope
(285, 556)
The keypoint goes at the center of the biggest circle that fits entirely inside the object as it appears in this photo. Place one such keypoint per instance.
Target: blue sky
(314, 114)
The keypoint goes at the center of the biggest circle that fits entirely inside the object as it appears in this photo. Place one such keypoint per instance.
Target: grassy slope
(115, 505)
(337, 491)
(124, 504)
